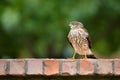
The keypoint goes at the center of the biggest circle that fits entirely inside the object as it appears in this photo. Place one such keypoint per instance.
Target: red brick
(17, 67)
(69, 67)
(104, 66)
(51, 67)
(117, 67)
(86, 67)
(3, 66)
(34, 66)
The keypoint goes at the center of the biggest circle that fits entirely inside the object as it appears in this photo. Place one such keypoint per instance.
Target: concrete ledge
(59, 67)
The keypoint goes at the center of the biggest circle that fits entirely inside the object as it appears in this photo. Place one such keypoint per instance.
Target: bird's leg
(73, 57)
(85, 56)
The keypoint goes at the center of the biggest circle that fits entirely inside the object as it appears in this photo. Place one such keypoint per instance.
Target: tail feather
(89, 52)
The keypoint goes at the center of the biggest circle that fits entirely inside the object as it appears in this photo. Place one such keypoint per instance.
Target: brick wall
(59, 69)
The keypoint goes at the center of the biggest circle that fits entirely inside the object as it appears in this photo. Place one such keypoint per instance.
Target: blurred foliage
(39, 28)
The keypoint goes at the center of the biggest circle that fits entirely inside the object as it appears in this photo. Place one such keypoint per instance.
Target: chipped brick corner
(59, 67)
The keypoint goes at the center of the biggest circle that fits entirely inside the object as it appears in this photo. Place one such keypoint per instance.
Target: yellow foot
(85, 58)
(71, 59)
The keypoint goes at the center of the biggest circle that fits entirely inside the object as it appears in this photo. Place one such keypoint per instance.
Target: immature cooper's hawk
(79, 39)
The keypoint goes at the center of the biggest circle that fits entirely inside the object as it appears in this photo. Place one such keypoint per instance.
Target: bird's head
(75, 25)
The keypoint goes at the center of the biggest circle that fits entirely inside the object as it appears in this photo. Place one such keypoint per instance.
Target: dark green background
(39, 28)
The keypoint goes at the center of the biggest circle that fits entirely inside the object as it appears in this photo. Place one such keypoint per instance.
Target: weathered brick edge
(59, 67)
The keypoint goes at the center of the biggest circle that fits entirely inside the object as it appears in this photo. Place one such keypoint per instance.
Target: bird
(79, 39)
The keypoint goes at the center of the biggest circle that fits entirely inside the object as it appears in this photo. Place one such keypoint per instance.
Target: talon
(85, 57)
(73, 57)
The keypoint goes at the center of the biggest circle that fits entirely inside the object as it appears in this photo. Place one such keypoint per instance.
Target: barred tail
(90, 52)
(91, 55)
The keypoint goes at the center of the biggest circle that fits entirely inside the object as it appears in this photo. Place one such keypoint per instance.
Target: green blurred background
(39, 28)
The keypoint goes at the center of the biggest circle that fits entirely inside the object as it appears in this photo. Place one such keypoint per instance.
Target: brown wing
(89, 42)
(69, 42)
(88, 39)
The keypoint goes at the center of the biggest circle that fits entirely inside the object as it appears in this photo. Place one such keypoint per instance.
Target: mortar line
(60, 66)
(26, 66)
(95, 66)
(8, 67)
(43, 67)
(77, 66)
(113, 66)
